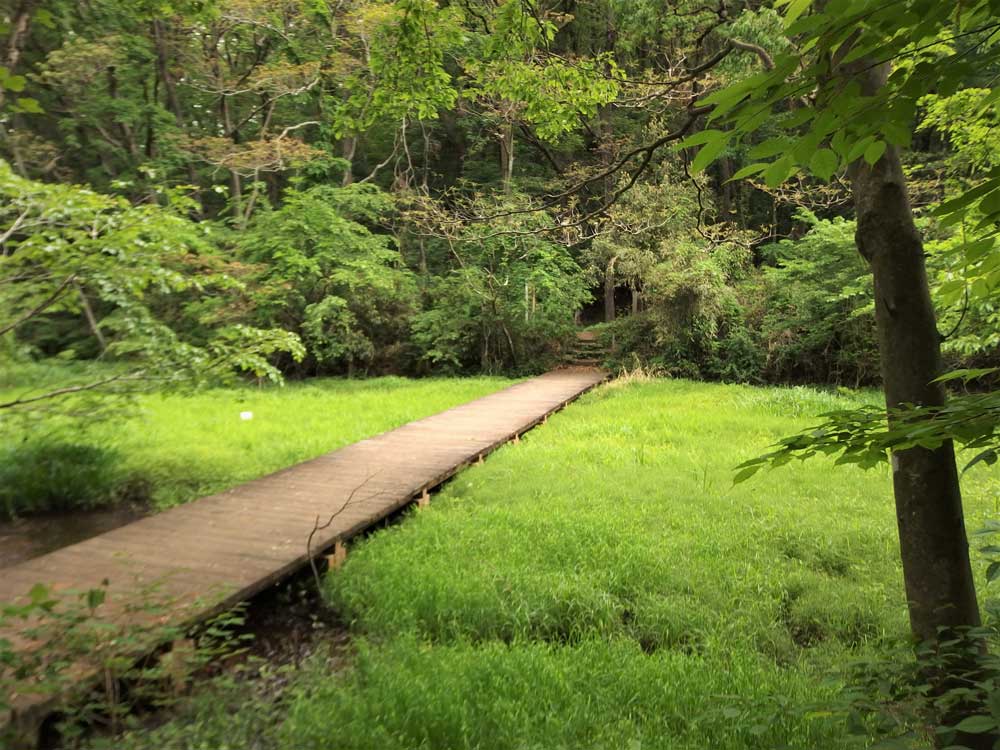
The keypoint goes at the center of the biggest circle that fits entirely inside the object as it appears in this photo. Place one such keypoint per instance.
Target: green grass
(604, 585)
(180, 447)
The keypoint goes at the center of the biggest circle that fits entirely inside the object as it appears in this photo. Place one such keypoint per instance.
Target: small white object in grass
(246, 415)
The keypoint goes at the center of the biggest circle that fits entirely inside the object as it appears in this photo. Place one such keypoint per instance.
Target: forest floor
(600, 584)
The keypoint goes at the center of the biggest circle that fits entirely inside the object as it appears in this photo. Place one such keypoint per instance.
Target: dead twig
(317, 527)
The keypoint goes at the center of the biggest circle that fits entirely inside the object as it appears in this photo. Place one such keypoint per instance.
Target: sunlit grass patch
(598, 694)
(616, 530)
(603, 584)
(181, 447)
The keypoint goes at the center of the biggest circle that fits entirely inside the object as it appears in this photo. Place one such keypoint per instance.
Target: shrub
(819, 323)
(325, 272)
(506, 308)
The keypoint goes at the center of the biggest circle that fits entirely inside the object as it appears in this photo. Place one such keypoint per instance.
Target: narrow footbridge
(210, 554)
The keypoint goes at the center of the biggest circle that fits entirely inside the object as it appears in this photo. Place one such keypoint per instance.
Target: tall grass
(180, 447)
(603, 584)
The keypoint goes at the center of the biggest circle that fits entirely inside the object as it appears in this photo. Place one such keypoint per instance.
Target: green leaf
(745, 473)
(967, 198)
(95, 598)
(748, 170)
(701, 138)
(795, 9)
(976, 724)
(14, 83)
(708, 154)
(39, 593)
(993, 571)
(29, 106)
(824, 163)
(859, 148)
(874, 152)
(896, 134)
(778, 172)
(966, 374)
(988, 101)
(770, 148)
(991, 203)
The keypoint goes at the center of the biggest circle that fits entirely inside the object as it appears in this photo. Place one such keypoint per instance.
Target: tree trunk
(347, 148)
(609, 290)
(88, 312)
(933, 544)
(934, 547)
(163, 70)
(165, 75)
(19, 29)
(17, 35)
(507, 156)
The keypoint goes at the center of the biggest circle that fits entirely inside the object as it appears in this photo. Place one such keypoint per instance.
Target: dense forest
(416, 187)
(199, 198)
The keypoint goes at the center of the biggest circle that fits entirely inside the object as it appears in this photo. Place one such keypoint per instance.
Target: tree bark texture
(934, 548)
(933, 543)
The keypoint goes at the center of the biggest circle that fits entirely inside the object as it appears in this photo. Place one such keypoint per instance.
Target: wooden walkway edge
(212, 553)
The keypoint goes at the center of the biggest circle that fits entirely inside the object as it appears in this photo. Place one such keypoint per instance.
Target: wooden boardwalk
(207, 555)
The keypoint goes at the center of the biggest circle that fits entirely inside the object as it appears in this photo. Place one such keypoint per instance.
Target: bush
(58, 475)
(507, 307)
(325, 268)
(695, 326)
(818, 322)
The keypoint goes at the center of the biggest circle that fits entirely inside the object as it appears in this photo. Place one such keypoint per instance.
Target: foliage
(234, 710)
(72, 634)
(818, 324)
(834, 134)
(178, 447)
(693, 323)
(937, 51)
(519, 82)
(324, 274)
(405, 75)
(48, 474)
(507, 300)
(968, 126)
(866, 438)
(72, 253)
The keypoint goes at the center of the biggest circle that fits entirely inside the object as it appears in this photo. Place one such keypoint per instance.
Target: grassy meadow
(174, 448)
(603, 584)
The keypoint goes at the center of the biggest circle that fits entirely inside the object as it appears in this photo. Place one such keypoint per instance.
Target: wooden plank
(223, 548)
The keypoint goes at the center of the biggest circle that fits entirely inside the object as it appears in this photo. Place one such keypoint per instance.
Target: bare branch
(765, 58)
(44, 304)
(18, 223)
(329, 521)
(72, 389)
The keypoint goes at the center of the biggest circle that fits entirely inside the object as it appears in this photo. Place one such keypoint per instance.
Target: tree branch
(44, 304)
(70, 389)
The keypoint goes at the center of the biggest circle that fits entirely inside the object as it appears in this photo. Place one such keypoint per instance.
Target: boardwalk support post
(338, 557)
(424, 500)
